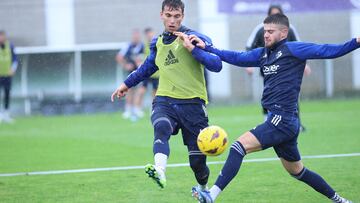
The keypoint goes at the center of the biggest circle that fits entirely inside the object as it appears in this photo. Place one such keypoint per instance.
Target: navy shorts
(189, 115)
(5, 82)
(280, 131)
(154, 82)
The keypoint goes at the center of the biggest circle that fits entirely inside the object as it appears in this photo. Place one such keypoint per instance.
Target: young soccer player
(8, 66)
(282, 64)
(181, 96)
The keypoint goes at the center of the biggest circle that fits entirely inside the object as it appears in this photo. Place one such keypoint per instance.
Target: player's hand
(358, 40)
(197, 41)
(119, 92)
(186, 41)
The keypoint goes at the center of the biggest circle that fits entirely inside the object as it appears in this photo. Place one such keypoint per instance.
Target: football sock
(316, 182)
(214, 192)
(200, 169)
(202, 187)
(231, 166)
(160, 161)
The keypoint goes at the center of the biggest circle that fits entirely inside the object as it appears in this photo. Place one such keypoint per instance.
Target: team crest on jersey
(278, 55)
(171, 59)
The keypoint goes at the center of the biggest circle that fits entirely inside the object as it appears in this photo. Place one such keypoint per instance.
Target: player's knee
(249, 142)
(162, 129)
(298, 174)
(293, 168)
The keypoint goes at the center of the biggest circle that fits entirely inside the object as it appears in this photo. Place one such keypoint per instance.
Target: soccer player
(181, 96)
(130, 58)
(153, 80)
(256, 40)
(282, 64)
(8, 66)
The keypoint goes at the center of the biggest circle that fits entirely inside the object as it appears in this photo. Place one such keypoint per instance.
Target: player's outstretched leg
(319, 184)
(298, 171)
(156, 174)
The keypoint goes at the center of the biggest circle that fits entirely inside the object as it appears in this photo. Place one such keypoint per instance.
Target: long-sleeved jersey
(282, 66)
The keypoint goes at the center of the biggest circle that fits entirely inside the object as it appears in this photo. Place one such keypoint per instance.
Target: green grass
(105, 140)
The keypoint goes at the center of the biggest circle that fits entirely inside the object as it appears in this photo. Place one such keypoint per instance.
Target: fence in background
(72, 73)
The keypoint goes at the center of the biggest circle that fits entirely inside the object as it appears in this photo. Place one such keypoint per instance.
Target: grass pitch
(106, 140)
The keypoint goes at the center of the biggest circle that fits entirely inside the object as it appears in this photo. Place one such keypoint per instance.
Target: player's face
(136, 37)
(172, 18)
(274, 33)
(149, 35)
(2, 38)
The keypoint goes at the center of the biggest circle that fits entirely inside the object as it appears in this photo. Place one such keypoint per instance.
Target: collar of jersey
(276, 45)
(169, 37)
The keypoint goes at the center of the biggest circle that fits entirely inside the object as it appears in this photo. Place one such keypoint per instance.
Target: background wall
(98, 22)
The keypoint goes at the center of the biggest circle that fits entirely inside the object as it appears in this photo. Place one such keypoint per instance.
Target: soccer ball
(212, 140)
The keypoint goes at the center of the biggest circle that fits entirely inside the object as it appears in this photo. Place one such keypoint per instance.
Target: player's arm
(14, 63)
(306, 51)
(210, 61)
(242, 59)
(144, 71)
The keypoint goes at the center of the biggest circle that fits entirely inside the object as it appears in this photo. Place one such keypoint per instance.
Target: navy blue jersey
(210, 61)
(283, 67)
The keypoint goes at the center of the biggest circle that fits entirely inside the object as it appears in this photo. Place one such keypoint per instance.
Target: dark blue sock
(200, 169)
(232, 165)
(316, 182)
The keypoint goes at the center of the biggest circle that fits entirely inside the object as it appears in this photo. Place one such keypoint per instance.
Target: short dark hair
(148, 29)
(275, 6)
(279, 19)
(173, 5)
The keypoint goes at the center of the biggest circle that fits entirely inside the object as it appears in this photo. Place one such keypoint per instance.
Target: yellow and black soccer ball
(212, 140)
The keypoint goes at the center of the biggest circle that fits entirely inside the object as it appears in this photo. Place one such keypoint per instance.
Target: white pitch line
(121, 168)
